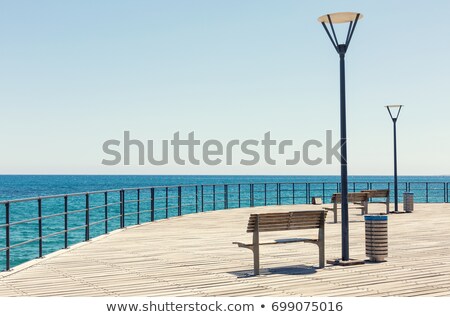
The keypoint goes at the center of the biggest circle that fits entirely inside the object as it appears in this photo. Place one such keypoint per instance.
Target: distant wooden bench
(379, 193)
(359, 200)
(281, 221)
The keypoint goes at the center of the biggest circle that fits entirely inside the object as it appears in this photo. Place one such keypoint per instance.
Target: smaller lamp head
(394, 111)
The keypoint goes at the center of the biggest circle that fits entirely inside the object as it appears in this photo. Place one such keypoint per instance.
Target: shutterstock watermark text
(190, 150)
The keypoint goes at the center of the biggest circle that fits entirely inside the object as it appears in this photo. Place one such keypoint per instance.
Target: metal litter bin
(408, 202)
(376, 237)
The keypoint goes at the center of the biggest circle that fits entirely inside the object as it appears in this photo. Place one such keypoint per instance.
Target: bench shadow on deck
(193, 255)
(286, 270)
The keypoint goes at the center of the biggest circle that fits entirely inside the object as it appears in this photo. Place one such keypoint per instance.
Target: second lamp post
(394, 112)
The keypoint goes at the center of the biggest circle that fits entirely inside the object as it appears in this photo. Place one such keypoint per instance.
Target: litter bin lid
(375, 217)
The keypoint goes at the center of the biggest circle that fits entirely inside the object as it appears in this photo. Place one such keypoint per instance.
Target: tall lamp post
(352, 19)
(394, 112)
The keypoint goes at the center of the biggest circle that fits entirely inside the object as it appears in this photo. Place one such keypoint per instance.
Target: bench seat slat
(288, 226)
(287, 214)
(275, 219)
(278, 241)
(282, 228)
(285, 221)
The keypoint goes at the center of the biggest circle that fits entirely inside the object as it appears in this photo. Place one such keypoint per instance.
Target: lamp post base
(349, 262)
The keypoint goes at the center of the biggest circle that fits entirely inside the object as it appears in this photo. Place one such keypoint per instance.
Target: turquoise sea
(84, 216)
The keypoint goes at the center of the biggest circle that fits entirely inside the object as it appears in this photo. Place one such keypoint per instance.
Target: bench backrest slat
(352, 197)
(377, 193)
(280, 221)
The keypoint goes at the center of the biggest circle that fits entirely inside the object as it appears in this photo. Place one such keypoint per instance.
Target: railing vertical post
(278, 194)
(239, 195)
(66, 222)
(86, 228)
(306, 193)
(40, 226)
(370, 185)
(106, 212)
(426, 191)
(252, 195)
(265, 194)
(354, 187)
(309, 193)
(446, 191)
(196, 198)
(121, 209)
(138, 206)
(7, 238)
(323, 191)
(203, 199)
(225, 198)
(167, 202)
(214, 197)
(152, 204)
(293, 193)
(179, 201)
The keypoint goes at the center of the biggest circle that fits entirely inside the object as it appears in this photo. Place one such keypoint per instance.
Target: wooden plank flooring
(193, 256)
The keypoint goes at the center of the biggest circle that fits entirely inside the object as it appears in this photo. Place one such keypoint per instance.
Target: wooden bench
(379, 193)
(281, 221)
(359, 200)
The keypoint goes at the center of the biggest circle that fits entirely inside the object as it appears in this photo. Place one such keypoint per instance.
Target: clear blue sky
(74, 74)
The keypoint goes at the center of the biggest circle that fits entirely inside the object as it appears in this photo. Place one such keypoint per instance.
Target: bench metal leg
(365, 209)
(255, 248)
(321, 245)
(256, 259)
(321, 255)
(335, 212)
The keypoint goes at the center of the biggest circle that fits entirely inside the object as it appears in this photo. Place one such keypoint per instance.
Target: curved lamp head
(340, 17)
(394, 111)
(351, 18)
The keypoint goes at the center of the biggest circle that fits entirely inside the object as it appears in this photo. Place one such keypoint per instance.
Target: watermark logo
(190, 150)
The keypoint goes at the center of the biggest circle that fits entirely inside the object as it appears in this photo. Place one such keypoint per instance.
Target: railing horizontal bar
(113, 217)
(20, 200)
(24, 242)
(164, 208)
(132, 213)
(23, 221)
(131, 201)
(53, 234)
(112, 204)
(97, 207)
(98, 222)
(77, 228)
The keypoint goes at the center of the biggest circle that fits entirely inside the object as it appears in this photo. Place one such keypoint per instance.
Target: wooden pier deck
(193, 255)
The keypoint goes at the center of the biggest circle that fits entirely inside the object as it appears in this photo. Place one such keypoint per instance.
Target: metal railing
(34, 227)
